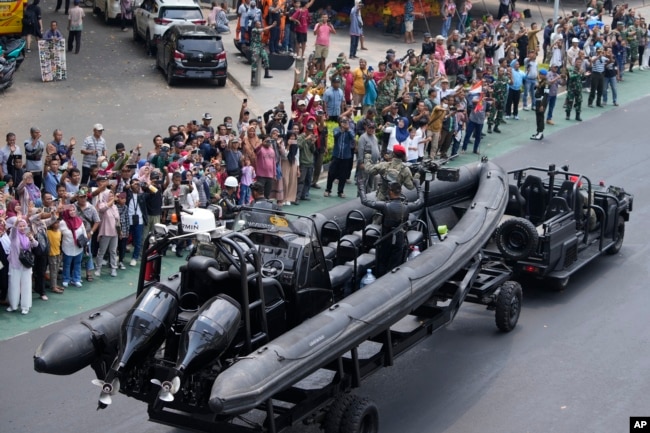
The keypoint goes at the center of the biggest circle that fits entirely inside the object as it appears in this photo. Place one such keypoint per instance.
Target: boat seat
(329, 252)
(536, 196)
(516, 202)
(372, 233)
(414, 237)
(348, 248)
(364, 262)
(202, 277)
(339, 275)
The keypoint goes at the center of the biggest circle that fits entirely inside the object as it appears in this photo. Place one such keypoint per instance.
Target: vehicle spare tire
(516, 238)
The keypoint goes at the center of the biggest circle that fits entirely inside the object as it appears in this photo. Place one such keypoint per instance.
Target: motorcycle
(13, 49)
(7, 70)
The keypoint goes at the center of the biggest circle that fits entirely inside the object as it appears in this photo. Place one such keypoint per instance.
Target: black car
(194, 52)
(556, 222)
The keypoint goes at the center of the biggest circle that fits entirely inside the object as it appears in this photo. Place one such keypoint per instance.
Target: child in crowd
(247, 176)
(54, 258)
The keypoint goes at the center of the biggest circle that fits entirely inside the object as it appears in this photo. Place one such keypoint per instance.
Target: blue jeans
(244, 194)
(461, 23)
(611, 82)
(620, 63)
(551, 106)
(136, 234)
(354, 44)
(529, 87)
(242, 35)
(286, 43)
(90, 264)
(72, 265)
(446, 25)
(476, 129)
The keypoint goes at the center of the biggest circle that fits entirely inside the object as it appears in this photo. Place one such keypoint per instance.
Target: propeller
(108, 389)
(168, 388)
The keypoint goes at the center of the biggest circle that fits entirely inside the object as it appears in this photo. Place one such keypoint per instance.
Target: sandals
(89, 278)
(57, 290)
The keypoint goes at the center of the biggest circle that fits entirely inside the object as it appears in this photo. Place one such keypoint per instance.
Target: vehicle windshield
(277, 222)
(203, 45)
(188, 14)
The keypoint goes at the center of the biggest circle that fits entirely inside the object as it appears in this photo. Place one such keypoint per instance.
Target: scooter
(13, 49)
(7, 69)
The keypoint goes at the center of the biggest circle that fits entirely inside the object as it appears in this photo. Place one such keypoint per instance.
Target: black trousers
(38, 271)
(597, 85)
(58, 6)
(512, 103)
(539, 116)
(338, 170)
(74, 40)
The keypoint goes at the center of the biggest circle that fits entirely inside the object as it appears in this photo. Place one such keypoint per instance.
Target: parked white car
(153, 17)
(109, 9)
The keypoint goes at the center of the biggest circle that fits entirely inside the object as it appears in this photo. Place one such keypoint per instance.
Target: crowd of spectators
(77, 217)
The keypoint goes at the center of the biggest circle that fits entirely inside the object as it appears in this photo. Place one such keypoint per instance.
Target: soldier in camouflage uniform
(574, 90)
(499, 93)
(390, 171)
(386, 91)
(258, 50)
(631, 34)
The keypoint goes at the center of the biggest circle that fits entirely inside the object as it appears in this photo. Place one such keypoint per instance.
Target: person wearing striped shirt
(598, 63)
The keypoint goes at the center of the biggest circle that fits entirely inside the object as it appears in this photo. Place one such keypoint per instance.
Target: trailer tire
(336, 411)
(620, 235)
(361, 416)
(508, 306)
(516, 238)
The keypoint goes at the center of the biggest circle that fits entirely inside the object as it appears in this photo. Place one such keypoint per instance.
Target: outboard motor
(205, 337)
(144, 329)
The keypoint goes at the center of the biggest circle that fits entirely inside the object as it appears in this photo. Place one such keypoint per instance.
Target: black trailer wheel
(557, 284)
(336, 411)
(516, 238)
(620, 233)
(508, 306)
(361, 416)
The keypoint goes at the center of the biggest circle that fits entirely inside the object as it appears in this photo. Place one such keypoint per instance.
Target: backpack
(29, 16)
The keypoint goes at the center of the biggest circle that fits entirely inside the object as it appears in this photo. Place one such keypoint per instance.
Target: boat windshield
(273, 221)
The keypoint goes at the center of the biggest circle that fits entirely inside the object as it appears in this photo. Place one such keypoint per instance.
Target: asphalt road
(577, 362)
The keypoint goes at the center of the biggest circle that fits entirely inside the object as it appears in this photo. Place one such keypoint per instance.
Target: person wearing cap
(75, 26)
(516, 78)
(574, 79)
(391, 251)
(598, 63)
(334, 100)
(93, 147)
(541, 100)
(206, 126)
(573, 51)
(34, 149)
(393, 170)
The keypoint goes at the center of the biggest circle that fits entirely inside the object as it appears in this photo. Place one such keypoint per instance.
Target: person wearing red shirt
(301, 20)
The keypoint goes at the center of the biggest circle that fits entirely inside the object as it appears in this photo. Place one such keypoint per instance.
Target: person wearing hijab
(290, 168)
(144, 173)
(13, 208)
(72, 228)
(397, 133)
(5, 249)
(20, 276)
(28, 193)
